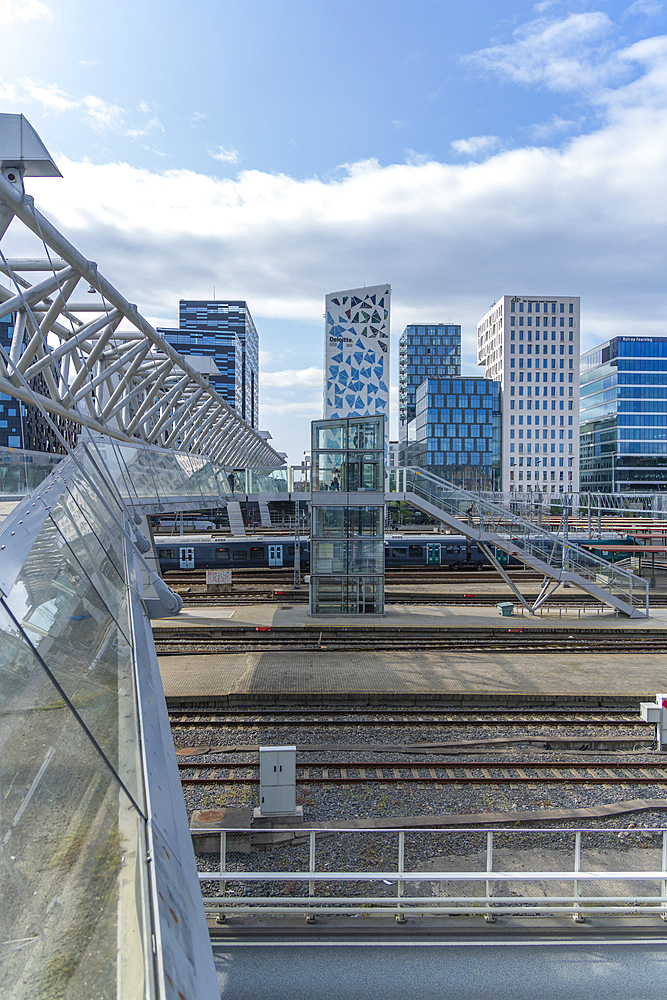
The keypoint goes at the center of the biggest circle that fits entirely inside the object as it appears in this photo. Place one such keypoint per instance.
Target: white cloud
(294, 378)
(144, 107)
(476, 145)
(399, 123)
(555, 126)
(647, 7)
(415, 159)
(23, 10)
(48, 95)
(99, 114)
(570, 54)
(226, 154)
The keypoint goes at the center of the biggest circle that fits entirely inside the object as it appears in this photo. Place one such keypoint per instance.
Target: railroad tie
(431, 771)
(415, 772)
(343, 772)
(397, 773)
(325, 772)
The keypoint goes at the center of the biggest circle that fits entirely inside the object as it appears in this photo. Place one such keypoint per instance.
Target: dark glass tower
(425, 351)
(225, 332)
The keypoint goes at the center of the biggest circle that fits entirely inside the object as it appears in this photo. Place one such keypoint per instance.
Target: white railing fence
(489, 872)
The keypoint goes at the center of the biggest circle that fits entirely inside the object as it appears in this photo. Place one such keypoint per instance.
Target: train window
(290, 550)
(166, 553)
(452, 548)
(415, 551)
(399, 553)
(240, 555)
(222, 555)
(257, 552)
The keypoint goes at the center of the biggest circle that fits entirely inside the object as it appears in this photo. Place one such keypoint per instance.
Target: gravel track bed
(377, 852)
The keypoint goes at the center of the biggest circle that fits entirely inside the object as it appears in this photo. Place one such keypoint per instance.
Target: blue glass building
(425, 350)
(23, 425)
(225, 332)
(624, 415)
(457, 432)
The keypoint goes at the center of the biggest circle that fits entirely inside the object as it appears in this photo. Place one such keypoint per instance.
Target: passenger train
(189, 552)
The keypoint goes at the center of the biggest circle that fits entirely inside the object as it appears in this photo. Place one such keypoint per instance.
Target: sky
(277, 151)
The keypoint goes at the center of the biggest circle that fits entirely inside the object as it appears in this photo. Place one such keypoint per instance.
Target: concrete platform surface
(409, 676)
(406, 615)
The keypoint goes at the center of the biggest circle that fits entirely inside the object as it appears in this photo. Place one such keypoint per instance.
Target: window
(571, 309)
(562, 307)
(571, 321)
(257, 552)
(415, 551)
(166, 553)
(240, 555)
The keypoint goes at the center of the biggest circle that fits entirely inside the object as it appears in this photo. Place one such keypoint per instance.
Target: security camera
(14, 176)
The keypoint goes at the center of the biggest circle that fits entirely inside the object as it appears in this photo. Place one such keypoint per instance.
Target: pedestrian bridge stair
(495, 527)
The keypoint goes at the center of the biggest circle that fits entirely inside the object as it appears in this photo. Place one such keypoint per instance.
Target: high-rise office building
(624, 415)
(225, 332)
(530, 345)
(356, 352)
(456, 432)
(428, 350)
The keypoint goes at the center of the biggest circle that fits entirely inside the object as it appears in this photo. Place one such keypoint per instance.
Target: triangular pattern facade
(356, 352)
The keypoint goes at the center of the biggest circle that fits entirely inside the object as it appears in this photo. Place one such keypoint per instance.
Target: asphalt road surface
(435, 971)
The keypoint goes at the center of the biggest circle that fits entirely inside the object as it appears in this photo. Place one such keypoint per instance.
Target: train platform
(320, 676)
(410, 615)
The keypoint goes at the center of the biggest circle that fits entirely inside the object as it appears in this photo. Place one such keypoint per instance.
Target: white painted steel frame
(398, 905)
(124, 381)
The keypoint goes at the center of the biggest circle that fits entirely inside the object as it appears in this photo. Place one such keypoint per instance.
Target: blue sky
(278, 151)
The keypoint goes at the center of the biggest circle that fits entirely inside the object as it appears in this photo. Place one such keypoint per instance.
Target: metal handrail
(487, 903)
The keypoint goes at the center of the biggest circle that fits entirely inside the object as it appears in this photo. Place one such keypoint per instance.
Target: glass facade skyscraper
(429, 349)
(624, 415)
(225, 332)
(456, 432)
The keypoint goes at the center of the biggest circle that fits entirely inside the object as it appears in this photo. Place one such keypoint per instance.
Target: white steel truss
(102, 364)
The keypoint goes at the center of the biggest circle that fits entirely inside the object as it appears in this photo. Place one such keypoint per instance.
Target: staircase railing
(518, 536)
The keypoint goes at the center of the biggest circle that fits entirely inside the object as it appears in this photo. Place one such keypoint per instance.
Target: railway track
(216, 639)
(284, 577)
(253, 718)
(471, 772)
(241, 598)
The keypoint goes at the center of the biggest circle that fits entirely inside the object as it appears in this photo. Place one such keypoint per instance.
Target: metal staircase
(495, 527)
(264, 513)
(236, 525)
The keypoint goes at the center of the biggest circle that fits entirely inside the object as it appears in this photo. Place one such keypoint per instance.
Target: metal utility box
(277, 781)
(656, 713)
(505, 609)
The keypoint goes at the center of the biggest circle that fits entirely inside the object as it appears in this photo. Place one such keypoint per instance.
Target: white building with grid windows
(530, 344)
